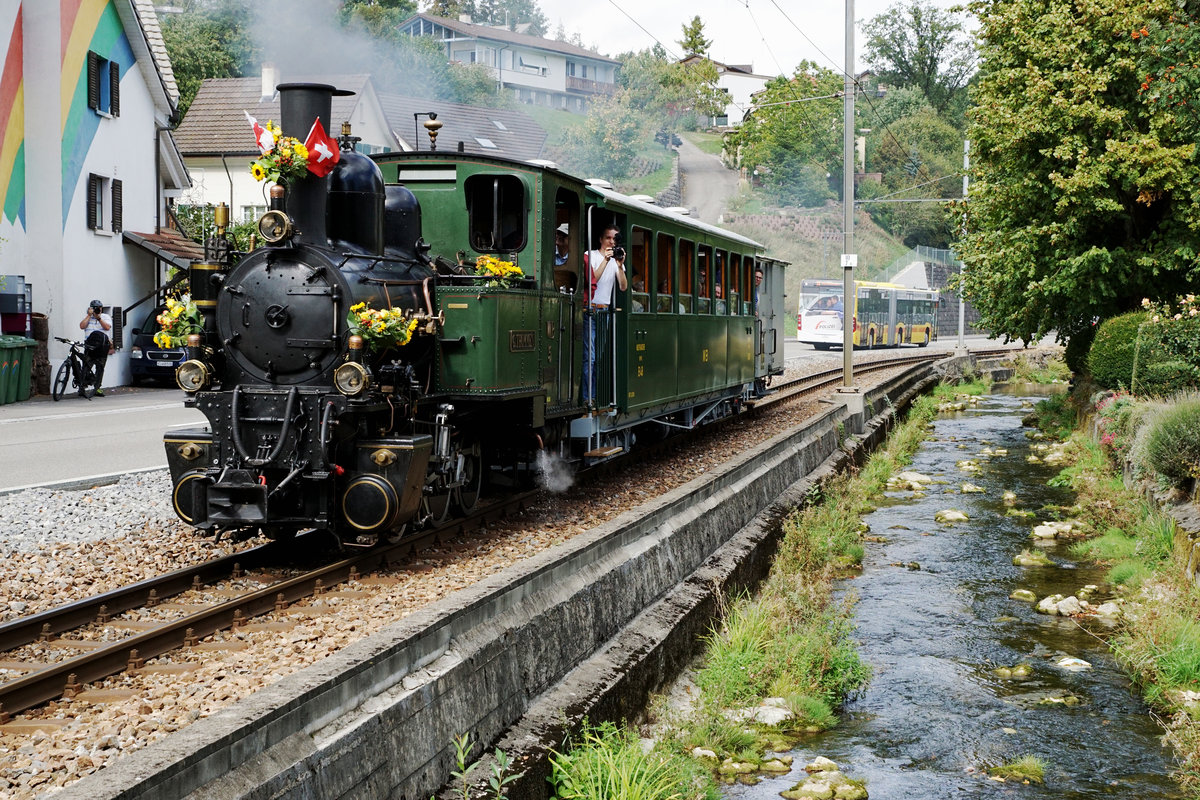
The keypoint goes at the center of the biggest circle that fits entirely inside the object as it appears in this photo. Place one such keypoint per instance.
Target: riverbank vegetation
(778, 664)
(1127, 451)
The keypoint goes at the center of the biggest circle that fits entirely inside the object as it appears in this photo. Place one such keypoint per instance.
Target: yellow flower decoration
(181, 319)
(502, 273)
(381, 329)
(287, 160)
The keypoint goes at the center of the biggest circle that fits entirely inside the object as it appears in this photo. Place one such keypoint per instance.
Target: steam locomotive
(315, 423)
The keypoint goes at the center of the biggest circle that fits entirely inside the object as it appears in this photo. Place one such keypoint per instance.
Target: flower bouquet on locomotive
(404, 331)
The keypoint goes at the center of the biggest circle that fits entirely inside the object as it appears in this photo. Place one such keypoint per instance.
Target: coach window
(496, 213)
(664, 269)
(720, 283)
(748, 287)
(735, 283)
(638, 270)
(687, 286)
(704, 280)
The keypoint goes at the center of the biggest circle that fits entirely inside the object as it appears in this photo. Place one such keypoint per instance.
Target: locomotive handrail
(235, 427)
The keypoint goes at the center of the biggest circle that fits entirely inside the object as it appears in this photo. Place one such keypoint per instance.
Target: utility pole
(849, 257)
(962, 297)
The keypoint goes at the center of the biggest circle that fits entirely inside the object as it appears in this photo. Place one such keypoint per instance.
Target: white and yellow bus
(882, 314)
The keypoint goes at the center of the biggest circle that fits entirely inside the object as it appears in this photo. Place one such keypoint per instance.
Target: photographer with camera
(97, 342)
(607, 267)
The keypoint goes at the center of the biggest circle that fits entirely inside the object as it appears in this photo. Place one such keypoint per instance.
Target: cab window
(496, 213)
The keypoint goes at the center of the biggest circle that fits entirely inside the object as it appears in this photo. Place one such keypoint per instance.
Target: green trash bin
(25, 373)
(6, 364)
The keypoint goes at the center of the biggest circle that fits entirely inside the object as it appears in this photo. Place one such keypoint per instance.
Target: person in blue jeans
(97, 341)
(606, 265)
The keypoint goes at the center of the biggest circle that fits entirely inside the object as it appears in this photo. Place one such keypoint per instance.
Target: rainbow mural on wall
(86, 25)
(12, 122)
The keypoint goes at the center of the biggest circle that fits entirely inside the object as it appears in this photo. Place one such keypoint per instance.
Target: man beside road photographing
(97, 341)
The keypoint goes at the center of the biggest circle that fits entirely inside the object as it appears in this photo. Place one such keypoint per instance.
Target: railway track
(124, 628)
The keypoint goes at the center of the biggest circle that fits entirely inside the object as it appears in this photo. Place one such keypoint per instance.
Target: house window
(571, 69)
(252, 213)
(584, 68)
(104, 204)
(486, 143)
(104, 85)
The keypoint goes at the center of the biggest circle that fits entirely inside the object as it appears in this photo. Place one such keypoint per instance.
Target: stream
(934, 620)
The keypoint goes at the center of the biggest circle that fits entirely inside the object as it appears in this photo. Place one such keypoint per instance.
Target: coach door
(560, 281)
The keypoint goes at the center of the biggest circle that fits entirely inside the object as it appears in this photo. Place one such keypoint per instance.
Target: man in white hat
(560, 245)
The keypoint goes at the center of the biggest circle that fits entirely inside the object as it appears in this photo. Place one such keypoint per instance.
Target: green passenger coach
(691, 338)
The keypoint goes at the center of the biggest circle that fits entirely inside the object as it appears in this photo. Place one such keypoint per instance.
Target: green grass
(1028, 370)
(610, 765)
(555, 122)
(1056, 416)
(1029, 769)
(711, 143)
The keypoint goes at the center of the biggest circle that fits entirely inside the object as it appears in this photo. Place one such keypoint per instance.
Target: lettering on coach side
(521, 341)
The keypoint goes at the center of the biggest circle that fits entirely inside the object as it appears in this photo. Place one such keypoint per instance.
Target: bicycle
(77, 369)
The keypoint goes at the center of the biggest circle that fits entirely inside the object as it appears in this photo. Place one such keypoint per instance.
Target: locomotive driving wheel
(466, 496)
(437, 506)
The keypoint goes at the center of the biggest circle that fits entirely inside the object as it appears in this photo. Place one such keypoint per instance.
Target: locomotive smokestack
(300, 104)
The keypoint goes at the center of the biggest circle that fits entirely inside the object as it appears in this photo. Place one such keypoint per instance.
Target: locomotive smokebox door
(281, 318)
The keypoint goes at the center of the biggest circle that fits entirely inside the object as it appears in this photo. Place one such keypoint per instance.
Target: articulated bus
(883, 314)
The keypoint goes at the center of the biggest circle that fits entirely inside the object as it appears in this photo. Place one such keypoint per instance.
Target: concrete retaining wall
(587, 628)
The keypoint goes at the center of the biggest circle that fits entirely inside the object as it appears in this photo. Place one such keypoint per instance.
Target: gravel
(65, 545)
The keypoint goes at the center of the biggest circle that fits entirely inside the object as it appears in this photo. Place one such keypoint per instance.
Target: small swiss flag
(323, 151)
(262, 137)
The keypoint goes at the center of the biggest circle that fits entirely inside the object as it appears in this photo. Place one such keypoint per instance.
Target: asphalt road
(43, 442)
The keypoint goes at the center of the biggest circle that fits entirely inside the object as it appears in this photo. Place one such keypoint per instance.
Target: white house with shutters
(87, 161)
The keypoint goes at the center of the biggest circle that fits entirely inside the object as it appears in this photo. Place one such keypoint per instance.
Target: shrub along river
(936, 623)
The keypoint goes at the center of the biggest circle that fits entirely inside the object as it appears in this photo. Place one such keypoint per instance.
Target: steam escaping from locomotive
(555, 474)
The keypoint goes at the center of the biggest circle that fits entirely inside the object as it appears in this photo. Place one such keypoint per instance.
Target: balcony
(586, 86)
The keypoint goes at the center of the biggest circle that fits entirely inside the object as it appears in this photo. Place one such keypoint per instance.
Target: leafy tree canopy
(694, 41)
(1084, 195)
(792, 141)
(914, 43)
(919, 156)
(505, 13)
(669, 91)
(210, 39)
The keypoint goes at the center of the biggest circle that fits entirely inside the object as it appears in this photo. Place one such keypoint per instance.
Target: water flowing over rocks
(825, 782)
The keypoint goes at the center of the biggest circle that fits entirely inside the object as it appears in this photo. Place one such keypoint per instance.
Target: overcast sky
(771, 35)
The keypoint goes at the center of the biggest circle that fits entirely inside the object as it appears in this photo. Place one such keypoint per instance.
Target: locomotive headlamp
(274, 226)
(351, 378)
(192, 375)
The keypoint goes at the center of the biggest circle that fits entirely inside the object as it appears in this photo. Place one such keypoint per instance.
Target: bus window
(495, 213)
(704, 281)
(687, 258)
(637, 267)
(664, 302)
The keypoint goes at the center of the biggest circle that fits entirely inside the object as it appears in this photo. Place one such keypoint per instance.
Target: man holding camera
(607, 268)
(97, 341)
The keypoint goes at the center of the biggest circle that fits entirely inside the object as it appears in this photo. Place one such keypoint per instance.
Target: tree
(654, 85)
(914, 43)
(792, 141)
(919, 156)
(208, 40)
(693, 41)
(1079, 205)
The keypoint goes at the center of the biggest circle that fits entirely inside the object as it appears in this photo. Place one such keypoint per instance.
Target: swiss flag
(262, 137)
(323, 151)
